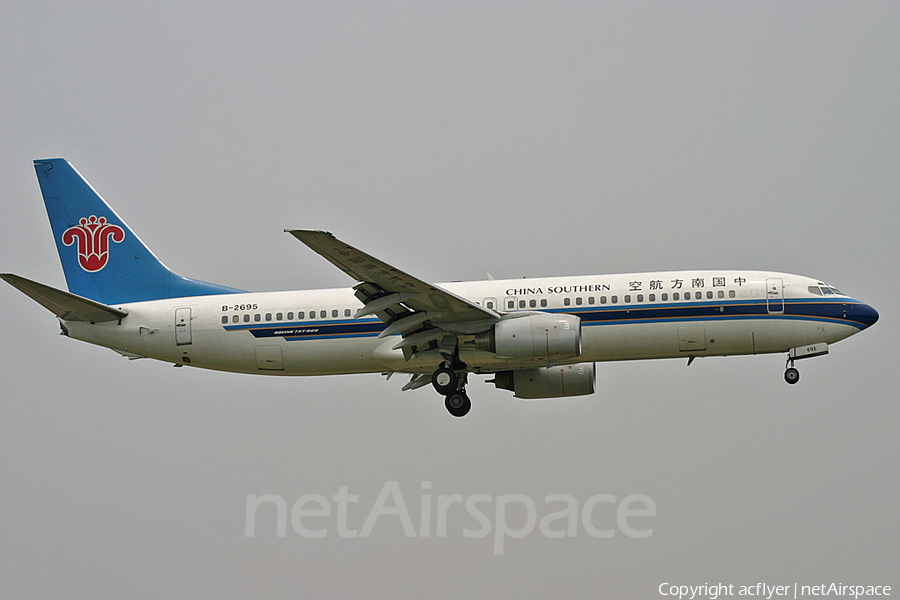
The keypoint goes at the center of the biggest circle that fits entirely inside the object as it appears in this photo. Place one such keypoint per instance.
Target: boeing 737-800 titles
(539, 338)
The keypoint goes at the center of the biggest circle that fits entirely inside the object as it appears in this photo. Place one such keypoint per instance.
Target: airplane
(538, 338)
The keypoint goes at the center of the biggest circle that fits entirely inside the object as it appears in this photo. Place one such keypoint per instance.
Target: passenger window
(334, 313)
(721, 294)
(640, 297)
(323, 314)
(490, 305)
(665, 297)
(533, 303)
(224, 320)
(246, 318)
(602, 299)
(731, 293)
(235, 319)
(268, 316)
(627, 298)
(257, 317)
(291, 316)
(615, 299)
(590, 299)
(510, 304)
(652, 298)
(709, 295)
(674, 295)
(279, 316)
(543, 302)
(521, 304)
(346, 312)
(579, 300)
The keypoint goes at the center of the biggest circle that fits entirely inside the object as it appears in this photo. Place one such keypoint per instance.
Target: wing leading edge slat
(420, 296)
(419, 311)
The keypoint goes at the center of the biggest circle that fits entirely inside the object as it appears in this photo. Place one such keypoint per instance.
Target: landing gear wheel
(444, 381)
(458, 404)
(792, 375)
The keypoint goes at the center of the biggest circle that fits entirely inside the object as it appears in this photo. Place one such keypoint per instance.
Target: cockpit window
(826, 290)
(813, 289)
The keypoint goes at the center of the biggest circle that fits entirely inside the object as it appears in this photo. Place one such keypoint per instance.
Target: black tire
(458, 404)
(792, 376)
(445, 381)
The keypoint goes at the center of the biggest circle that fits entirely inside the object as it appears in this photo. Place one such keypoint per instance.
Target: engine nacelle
(536, 335)
(549, 382)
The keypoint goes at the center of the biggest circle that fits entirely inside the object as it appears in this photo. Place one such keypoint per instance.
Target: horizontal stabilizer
(64, 305)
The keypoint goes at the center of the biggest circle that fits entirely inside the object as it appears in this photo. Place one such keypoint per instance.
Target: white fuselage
(624, 317)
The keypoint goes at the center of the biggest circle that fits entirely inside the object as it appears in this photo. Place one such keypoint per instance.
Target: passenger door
(182, 326)
(775, 295)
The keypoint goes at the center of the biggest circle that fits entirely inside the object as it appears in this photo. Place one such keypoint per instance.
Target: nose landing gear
(791, 375)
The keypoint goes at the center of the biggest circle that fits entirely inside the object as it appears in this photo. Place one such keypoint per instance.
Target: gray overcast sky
(451, 139)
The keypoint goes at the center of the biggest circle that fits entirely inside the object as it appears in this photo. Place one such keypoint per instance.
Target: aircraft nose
(865, 314)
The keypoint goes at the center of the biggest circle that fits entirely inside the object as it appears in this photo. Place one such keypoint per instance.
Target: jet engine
(535, 335)
(548, 382)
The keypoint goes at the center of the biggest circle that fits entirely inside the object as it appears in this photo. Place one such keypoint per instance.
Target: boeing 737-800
(539, 338)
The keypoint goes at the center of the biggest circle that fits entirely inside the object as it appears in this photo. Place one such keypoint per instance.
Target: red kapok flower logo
(92, 235)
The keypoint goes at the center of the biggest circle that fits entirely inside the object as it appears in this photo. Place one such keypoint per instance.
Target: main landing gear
(458, 403)
(449, 380)
(445, 380)
(452, 385)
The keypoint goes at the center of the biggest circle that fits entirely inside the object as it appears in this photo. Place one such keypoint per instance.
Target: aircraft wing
(420, 311)
(64, 305)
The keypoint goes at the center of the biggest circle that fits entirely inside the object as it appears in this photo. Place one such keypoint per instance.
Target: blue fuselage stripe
(829, 311)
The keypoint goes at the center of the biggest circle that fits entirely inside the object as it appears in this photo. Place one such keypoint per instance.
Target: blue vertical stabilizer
(102, 258)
